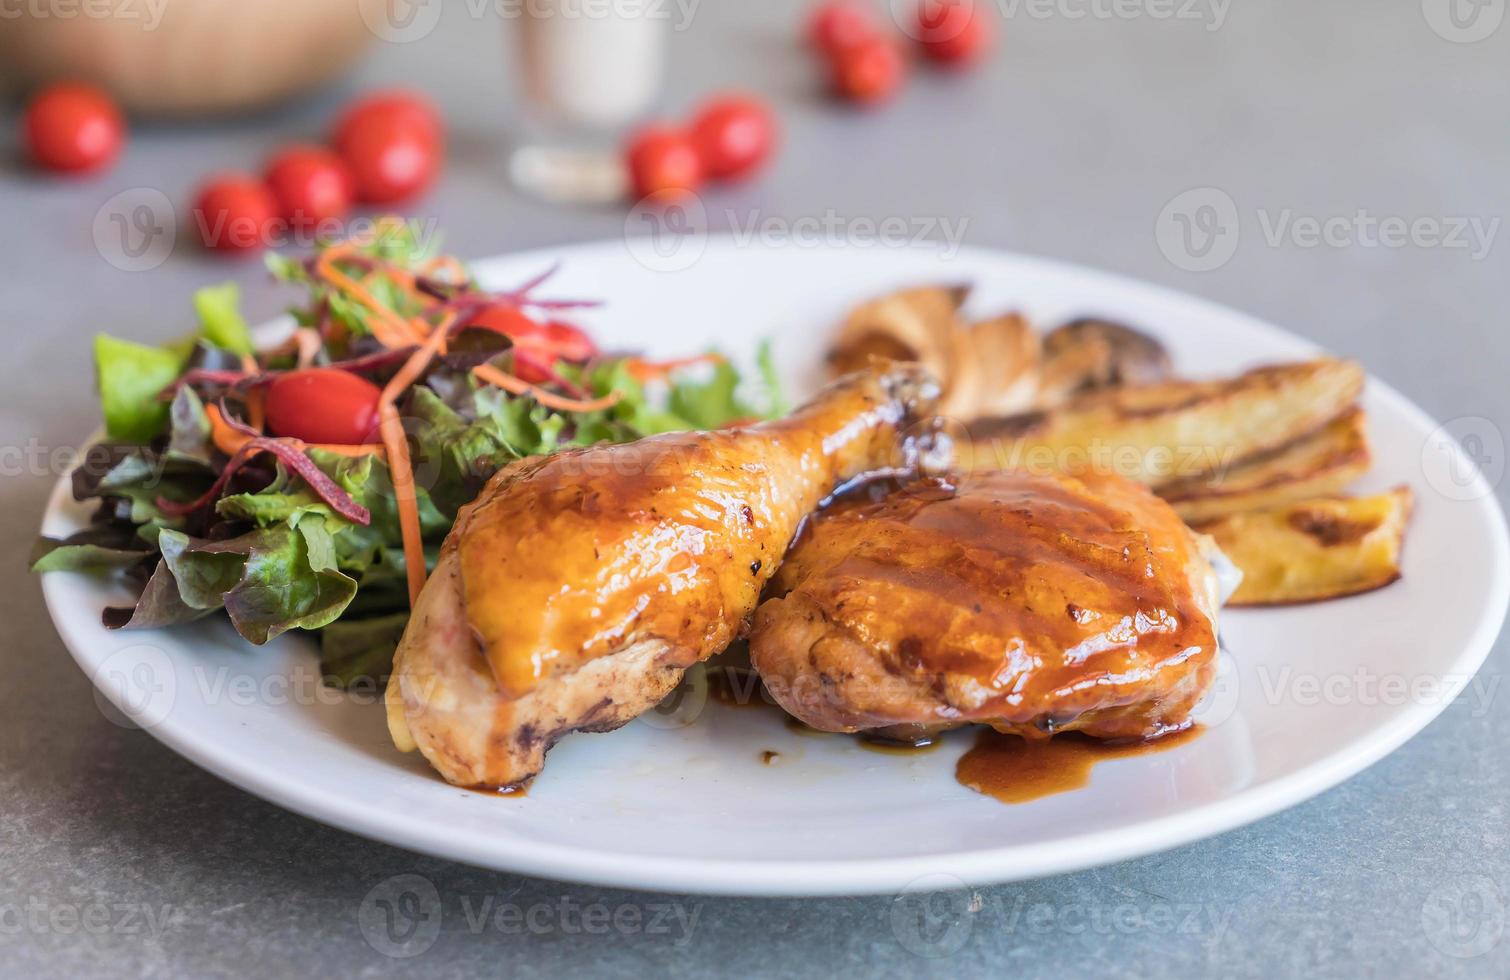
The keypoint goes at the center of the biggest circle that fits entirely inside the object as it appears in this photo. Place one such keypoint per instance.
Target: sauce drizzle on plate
(1014, 770)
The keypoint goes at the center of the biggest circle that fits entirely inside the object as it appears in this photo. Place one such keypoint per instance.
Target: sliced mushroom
(999, 374)
(1088, 354)
(920, 324)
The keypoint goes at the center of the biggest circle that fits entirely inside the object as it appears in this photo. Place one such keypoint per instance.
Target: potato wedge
(1315, 549)
(1157, 434)
(1317, 465)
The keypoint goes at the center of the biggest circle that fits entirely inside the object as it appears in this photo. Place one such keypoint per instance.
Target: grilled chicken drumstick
(578, 587)
(1031, 603)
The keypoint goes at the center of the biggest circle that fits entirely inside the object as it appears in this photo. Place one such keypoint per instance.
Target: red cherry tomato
(734, 135)
(534, 366)
(837, 24)
(394, 145)
(311, 184)
(323, 405)
(953, 32)
(513, 323)
(408, 108)
(662, 159)
(570, 342)
(73, 128)
(235, 213)
(869, 71)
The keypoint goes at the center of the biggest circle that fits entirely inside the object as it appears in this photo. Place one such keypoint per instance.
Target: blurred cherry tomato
(869, 71)
(734, 134)
(73, 128)
(554, 339)
(393, 144)
(311, 184)
(235, 213)
(837, 24)
(323, 405)
(953, 32)
(662, 158)
(569, 342)
(408, 108)
(513, 323)
(534, 366)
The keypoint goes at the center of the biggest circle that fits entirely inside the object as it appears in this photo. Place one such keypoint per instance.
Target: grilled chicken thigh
(578, 587)
(1031, 603)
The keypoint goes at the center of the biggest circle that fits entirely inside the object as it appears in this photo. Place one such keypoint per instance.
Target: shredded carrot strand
(643, 370)
(388, 327)
(226, 439)
(516, 386)
(256, 408)
(400, 467)
(229, 439)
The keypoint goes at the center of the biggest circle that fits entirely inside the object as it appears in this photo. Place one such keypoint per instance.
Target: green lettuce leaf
(130, 376)
(219, 311)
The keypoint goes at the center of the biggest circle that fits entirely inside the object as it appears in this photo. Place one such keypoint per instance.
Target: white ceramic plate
(1311, 695)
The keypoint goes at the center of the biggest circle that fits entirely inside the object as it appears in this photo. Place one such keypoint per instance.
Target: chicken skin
(1031, 603)
(577, 589)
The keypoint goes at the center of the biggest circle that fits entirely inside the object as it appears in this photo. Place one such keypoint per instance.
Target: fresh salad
(308, 485)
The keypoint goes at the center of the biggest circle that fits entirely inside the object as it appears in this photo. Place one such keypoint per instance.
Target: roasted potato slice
(1315, 549)
(1157, 434)
(1316, 465)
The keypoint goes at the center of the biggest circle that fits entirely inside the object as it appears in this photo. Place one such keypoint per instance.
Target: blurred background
(1249, 153)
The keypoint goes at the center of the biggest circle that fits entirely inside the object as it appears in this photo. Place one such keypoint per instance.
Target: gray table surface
(118, 857)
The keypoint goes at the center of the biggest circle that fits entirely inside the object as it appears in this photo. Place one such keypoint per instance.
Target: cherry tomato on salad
(663, 159)
(534, 366)
(311, 184)
(953, 32)
(734, 134)
(570, 342)
(235, 213)
(73, 128)
(554, 339)
(512, 322)
(325, 405)
(868, 72)
(837, 24)
(394, 145)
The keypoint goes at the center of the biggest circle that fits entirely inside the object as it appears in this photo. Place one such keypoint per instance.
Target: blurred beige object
(184, 57)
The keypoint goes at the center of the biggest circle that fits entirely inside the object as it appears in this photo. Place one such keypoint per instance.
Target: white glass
(589, 69)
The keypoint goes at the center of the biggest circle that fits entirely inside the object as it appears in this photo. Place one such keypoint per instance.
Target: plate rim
(858, 876)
